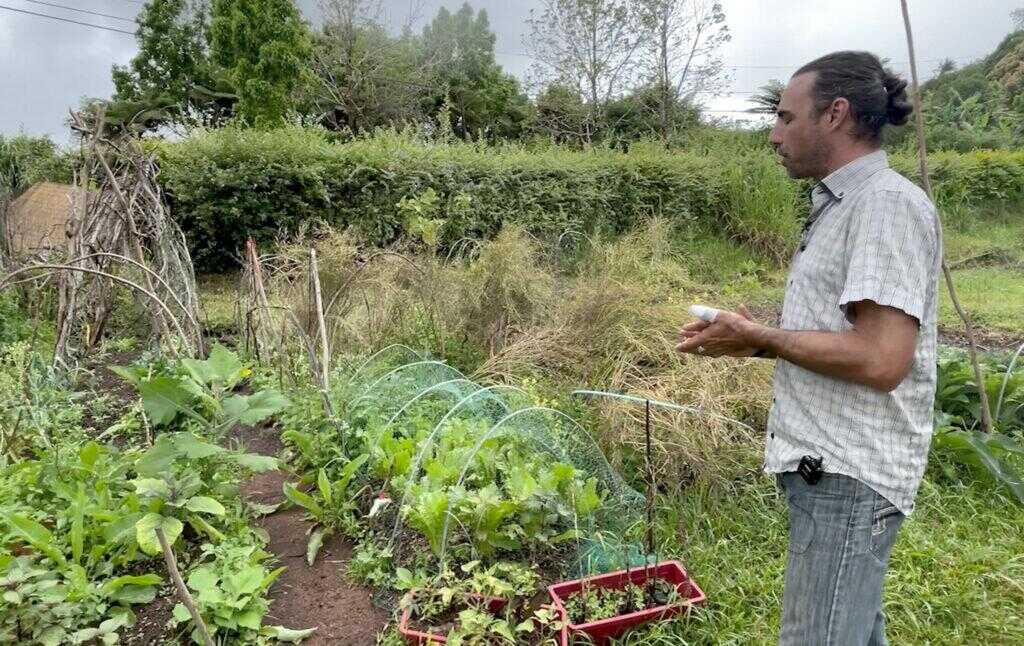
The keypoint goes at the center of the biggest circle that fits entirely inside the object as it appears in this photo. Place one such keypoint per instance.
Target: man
(855, 376)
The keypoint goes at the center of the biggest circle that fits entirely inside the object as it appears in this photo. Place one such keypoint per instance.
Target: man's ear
(837, 112)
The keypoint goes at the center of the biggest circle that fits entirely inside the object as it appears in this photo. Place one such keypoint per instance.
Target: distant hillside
(978, 106)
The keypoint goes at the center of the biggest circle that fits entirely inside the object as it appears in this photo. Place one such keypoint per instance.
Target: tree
(768, 98)
(561, 114)
(458, 53)
(589, 44)
(172, 74)
(363, 77)
(1017, 16)
(263, 46)
(683, 56)
(946, 66)
(644, 113)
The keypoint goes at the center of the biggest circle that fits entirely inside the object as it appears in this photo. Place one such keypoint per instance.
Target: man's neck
(841, 158)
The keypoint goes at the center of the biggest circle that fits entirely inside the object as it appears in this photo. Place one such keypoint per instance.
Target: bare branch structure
(119, 233)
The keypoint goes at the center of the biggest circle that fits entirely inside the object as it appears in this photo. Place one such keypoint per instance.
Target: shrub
(969, 179)
(229, 184)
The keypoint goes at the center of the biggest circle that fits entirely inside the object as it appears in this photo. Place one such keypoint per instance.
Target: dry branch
(183, 593)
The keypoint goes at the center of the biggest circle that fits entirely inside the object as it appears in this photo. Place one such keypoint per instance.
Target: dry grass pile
(505, 313)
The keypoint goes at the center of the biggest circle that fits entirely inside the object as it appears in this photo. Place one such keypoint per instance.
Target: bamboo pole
(922, 153)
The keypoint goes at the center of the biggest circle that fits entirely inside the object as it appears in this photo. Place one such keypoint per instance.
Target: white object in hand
(704, 313)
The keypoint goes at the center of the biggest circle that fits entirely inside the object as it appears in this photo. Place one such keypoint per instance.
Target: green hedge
(228, 184)
(969, 179)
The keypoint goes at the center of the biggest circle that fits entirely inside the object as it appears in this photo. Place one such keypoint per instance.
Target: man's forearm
(843, 355)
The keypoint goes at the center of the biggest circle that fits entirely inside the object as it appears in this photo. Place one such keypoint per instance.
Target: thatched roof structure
(37, 219)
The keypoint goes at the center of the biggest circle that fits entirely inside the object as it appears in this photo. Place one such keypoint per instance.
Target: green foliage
(459, 595)
(371, 565)
(172, 70)
(594, 603)
(14, 325)
(638, 115)
(263, 47)
(998, 457)
(70, 519)
(332, 506)
(26, 160)
(229, 587)
(975, 107)
(347, 90)
(183, 478)
(196, 392)
(40, 608)
(482, 101)
(230, 184)
(35, 404)
(968, 179)
(510, 500)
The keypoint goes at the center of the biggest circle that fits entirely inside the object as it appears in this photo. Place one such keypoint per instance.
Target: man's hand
(728, 336)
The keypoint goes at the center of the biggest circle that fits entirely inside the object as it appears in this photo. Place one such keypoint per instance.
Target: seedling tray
(419, 638)
(600, 631)
(494, 605)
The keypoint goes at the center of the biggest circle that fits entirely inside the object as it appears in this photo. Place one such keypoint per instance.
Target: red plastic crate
(600, 631)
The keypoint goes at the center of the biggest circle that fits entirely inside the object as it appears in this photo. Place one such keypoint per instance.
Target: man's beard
(813, 164)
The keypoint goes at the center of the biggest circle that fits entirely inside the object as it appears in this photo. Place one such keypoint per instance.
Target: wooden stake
(183, 593)
(318, 305)
(922, 154)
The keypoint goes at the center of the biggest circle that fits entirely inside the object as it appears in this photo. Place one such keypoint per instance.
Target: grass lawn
(992, 296)
(985, 249)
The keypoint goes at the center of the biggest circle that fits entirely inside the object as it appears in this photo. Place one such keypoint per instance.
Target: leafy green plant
(182, 478)
(229, 587)
(200, 391)
(40, 607)
(594, 603)
(462, 599)
(332, 507)
(35, 404)
(957, 438)
(66, 543)
(371, 565)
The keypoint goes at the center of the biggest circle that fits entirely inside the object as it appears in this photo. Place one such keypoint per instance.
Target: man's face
(799, 136)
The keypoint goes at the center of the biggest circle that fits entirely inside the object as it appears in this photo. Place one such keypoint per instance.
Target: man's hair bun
(898, 106)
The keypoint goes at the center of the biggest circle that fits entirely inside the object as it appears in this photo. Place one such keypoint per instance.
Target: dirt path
(303, 596)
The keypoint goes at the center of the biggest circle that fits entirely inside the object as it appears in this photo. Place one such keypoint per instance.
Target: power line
(74, 22)
(92, 13)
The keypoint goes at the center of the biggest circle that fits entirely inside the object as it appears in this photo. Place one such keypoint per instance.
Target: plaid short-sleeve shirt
(871, 235)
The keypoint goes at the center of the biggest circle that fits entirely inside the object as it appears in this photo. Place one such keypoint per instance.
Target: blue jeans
(840, 535)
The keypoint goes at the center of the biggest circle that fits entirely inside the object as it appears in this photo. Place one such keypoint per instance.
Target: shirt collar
(845, 179)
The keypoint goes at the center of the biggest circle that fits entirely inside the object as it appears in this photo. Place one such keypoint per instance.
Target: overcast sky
(47, 66)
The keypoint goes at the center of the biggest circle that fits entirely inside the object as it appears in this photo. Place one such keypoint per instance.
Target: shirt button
(773, 436)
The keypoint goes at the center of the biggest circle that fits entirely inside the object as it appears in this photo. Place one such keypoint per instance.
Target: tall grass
(506, 313)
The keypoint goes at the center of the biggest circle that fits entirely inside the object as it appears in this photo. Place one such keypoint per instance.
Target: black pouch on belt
(810, 469)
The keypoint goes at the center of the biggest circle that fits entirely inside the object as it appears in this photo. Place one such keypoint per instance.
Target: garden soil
(308, 597)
